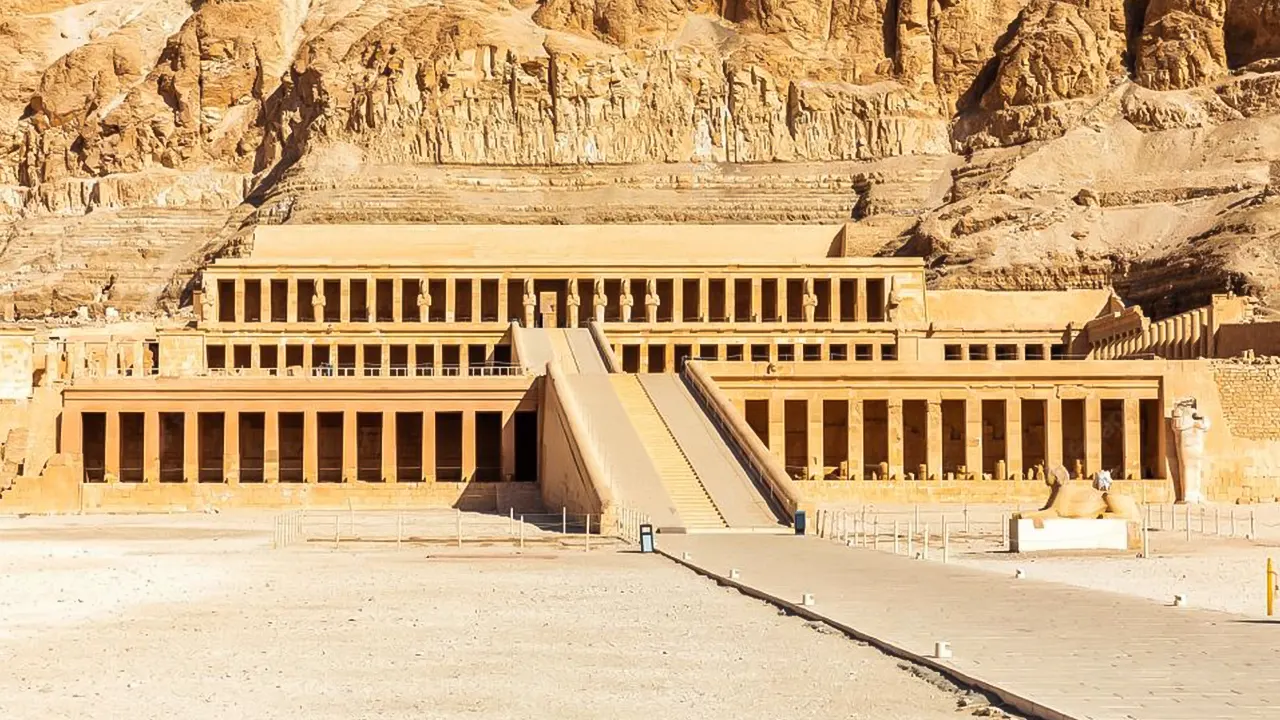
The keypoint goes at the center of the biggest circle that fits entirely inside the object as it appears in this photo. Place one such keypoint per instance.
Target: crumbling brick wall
(1250, 393)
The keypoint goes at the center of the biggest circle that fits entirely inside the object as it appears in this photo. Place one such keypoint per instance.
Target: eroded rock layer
(1048, 143)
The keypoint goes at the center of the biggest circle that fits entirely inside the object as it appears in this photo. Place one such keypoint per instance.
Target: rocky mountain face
(1040, 144)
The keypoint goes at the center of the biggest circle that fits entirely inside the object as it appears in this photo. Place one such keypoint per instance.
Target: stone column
(757, 304)
(1052, 433)
(973, 435)
(782, 299)
(503, 311)
(730, 299)
(704, 299)
(255, 356)
(231, 446)
(477, 292)
(508, 445)
(310, 451)
(896, 433)
(857, 469)
(813, 434)
(777, 427)
(437, 359)
(429, 445)
(291, 309)
(344, 300)
(833, 308)
(1197, 318)
(191, 445)
(388, 443)
(397, 299)
(644, 357)
(677, 300)
(1132, 440)
(239, 300)
(112, 442)
(468, 444)
(359, 361)
(1013, 437)
(271, 447)
(933, 439)
(306, 358)
(386, 360)
(264, 303)
(1093, 435)
(111, 358)
(1046, 351)
(464, 359)
(450, 299)
(348, 445)
(151, 446)
(860, 309)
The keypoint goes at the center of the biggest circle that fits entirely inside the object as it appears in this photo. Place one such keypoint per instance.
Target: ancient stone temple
(721, 375)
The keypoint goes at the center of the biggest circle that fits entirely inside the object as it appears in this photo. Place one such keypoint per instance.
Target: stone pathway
(1057, 651)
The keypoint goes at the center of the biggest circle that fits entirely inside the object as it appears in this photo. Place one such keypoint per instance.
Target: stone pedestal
(1030, 535)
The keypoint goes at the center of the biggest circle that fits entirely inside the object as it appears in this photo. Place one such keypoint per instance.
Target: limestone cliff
(1046, 143)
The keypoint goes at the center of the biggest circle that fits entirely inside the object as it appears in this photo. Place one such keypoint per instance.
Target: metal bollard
(564, 521)
(895, 537)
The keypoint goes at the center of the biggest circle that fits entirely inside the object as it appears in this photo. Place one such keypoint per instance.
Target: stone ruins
(714, 375)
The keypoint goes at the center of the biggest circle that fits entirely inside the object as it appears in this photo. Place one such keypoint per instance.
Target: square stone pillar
(191, 446)
(1092, 435)
(429, 445)
(973, 435)
(757, 305)
(1046, 352)
(464, 359)
(255, 356)
(503, 312)
(310, 447)
(344, 300)
(306, 358)
(704, 298)
(669, 356)
(386, 360)
(437, 358)
(371, 298)
(813, 436)
(271, 447)
(239, 300)
(677, 299)
(644, 358)
(1132, 440)
(857, 464)
(933, 439)
(833, 307)
(111, 359)
(112, 443)
(450, 299)
(359, 369)
(860, 308)
(1013, 437)
(782, 298)
(151, 446)
(388, 443)
(397, 300)
(231, 446)
(730, 299)
(264, 300)
(508, 445)
(348, 445)
(468, 444)
(896, 439)
(1053, 434)
(291, 308)
(477, 296)
(777, 427)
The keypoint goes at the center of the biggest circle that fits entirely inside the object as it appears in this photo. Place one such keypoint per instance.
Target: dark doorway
(93, 445)
(329, 446)
(488, 446)
(369, 446)
(291, 443)
(448, 446)
(526, 465)
(252, 448)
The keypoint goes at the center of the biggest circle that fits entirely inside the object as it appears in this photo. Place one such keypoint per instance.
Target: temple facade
(493, 367)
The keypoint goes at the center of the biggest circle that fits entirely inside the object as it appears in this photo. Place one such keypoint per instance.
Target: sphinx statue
(1082, 499)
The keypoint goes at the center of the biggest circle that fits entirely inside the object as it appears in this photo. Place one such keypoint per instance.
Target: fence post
(1217, 521)
(336, 521)
(911, 542)
(875, 532)
(924, 541)
(588, 532)
(895, 537)
(1231, 512)
(966, 517)
(1253, 528)
(1186, 516)
(521, 532)
(564, 521)
(511, 520)
(459, 521)
(946, 541)
(399, 527)
(1004, 531)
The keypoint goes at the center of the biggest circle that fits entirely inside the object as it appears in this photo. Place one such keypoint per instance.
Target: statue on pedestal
(1084, 500)
(651, 300)
(599, 300)
(1190, 426)
(573, 302)
(810, 301)
(208, 305)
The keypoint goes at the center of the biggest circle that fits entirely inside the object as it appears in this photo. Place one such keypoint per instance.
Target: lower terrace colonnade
(311, 443)
(866, 436)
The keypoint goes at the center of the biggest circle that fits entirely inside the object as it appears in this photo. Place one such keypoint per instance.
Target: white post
(1004, 531)
(911, 543)
(924, 540)
(564, 521)
(1217, 521)
(511, 521)
(966, 519)
(1201, 519)
(588, 532)
(459, 520)
(1187, 519)
(946, 542)
(399, 528)
(915, 521)
(521, 532)
(1253, 528)
(875, 532)
(895, 537)
(1146, 544)
(1231, 512)
(336, 529)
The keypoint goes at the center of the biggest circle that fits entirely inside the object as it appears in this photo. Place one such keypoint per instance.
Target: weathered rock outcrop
(1041, 143)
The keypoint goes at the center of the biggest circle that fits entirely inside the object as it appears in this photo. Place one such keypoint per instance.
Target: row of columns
(1181, 337)
(432, 360)
(973, 424)
(633, 308)
(271, 444)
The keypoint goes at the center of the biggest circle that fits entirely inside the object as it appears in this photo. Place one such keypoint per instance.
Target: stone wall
(1250, 394)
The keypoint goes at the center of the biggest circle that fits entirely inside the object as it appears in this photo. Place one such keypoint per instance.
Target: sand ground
(1213, 569)
(196, 617)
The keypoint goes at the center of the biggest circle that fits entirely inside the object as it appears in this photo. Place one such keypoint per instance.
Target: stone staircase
(692, 502)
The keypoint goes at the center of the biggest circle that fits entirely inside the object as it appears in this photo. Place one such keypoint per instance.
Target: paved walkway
(1071, 652)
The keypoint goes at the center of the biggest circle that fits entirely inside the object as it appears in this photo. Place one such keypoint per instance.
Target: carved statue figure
(810, 301)
(1190, 426)
(626, 301)
(651, 300)
(530, 302)
(892, 302)
(1077, 499)
(573, 301)
(424, 300)
(599, 300)
(208, 304)
(317, 305)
